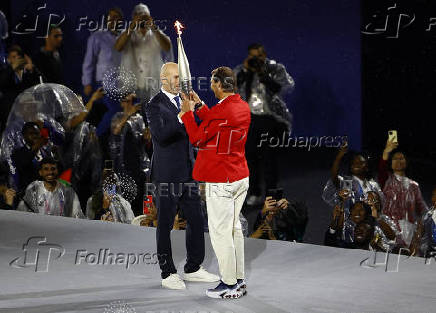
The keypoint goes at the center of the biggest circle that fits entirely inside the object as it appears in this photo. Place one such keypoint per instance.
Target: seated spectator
(361, 224)
(129, 137)
(150, 219)
(281, 220)
(26, 159)
(8, 199)
(343, 192)
(109, 205)
(385, 230)
(428, 244)
(403, 199)
(48, 59)
(19, 75)
(49, 196)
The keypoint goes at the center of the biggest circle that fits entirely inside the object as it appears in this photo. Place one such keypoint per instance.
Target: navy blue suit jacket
(173, 157)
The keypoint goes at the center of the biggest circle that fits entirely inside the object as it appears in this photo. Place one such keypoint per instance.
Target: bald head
(169, 77)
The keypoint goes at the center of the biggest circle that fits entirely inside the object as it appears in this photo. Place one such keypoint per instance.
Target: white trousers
(224, 203)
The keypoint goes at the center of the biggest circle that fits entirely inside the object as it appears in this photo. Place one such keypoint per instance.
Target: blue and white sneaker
(224, 291)
(242, 285)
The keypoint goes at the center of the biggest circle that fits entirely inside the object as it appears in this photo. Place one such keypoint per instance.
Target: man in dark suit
(172, 165)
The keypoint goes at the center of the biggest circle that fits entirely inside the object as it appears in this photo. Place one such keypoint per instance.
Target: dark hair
(28, 126)
(255, 46)
(117, 10)
(51, 27)
(391, 155)
(351, 156)
(227, 78)
(17, 49)
(48, 160)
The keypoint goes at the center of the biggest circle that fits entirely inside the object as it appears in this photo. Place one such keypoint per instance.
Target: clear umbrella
(52, 105)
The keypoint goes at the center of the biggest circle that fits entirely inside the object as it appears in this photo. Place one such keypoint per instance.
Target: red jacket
(221, 138)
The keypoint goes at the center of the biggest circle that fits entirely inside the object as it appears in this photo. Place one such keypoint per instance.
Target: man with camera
(19, 75)
(142, 46)
(262, 82)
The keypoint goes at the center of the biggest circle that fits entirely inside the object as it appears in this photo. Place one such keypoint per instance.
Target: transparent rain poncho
(119, 207)
(82, 154)
(385, 234)
(3, 36)
(51, 104)
(130, 141)
(3, 26)
(264, 101)
(143, 56)
(63, 201)
(404, 204)
(358, 192)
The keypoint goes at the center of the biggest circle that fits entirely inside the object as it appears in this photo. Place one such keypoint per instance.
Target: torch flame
(178, 26)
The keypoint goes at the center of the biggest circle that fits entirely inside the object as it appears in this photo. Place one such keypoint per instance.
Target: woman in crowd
(341, 193)
(107, 204)
(403, 199)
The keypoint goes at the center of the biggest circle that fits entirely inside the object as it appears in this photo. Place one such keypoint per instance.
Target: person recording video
(262, 82)
(280, 219)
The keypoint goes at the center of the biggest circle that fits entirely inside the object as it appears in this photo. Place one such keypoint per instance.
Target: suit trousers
(184, 196)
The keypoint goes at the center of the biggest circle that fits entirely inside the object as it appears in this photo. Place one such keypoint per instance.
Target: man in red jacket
(221, 163)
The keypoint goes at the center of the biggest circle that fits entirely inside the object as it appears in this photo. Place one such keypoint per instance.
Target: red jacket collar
(234, 97)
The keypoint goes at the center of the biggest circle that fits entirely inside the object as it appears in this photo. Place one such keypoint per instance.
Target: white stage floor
(281, 276)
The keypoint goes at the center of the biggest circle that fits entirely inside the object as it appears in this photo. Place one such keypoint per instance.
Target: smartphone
(108, 164)
(393, 136)
(347, 184)
(276, 194)
(148, 202)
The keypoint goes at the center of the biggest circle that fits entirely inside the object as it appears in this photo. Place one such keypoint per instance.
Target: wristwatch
(197, 106)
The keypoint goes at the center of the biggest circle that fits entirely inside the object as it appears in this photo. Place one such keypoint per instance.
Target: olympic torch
(184, 72)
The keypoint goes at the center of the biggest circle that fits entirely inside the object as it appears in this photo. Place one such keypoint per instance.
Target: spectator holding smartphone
(345, 192)
(281, 220)
(404, 203)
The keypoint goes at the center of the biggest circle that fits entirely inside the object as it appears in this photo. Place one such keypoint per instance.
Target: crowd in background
(77, 167)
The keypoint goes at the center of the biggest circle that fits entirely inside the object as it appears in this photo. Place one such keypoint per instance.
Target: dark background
(317, 41)
(352, 77)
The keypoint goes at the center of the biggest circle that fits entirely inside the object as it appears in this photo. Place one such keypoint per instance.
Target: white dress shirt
(173, 101)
